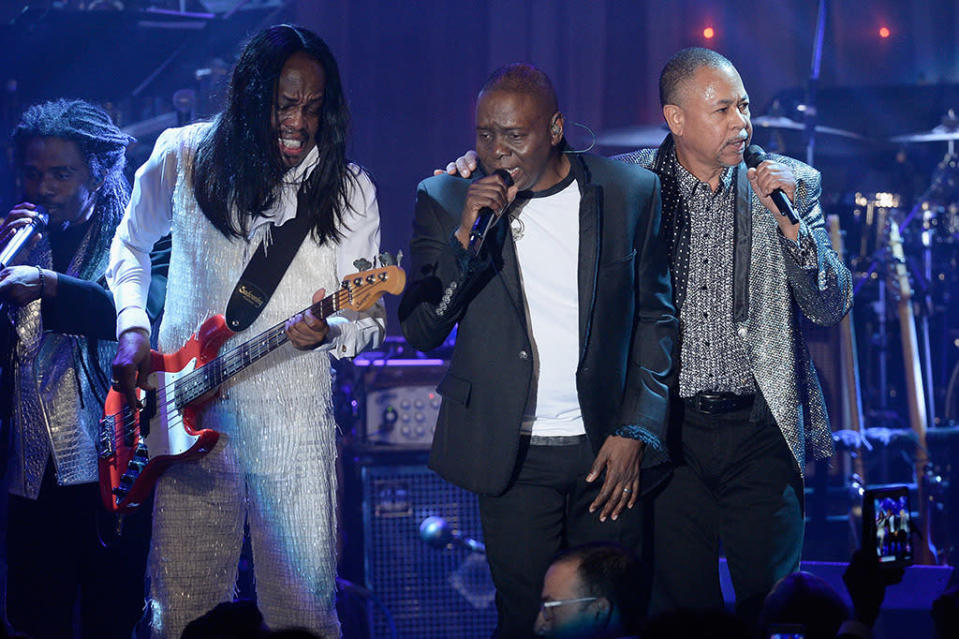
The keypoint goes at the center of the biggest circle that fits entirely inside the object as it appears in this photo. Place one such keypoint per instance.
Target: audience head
(945, 614)
(803, 598)
(591, 592)
(229, 620)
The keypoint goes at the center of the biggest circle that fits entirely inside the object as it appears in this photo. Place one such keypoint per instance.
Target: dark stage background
(411, 71)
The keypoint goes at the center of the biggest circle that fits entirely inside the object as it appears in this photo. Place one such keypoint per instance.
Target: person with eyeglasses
(593, 591)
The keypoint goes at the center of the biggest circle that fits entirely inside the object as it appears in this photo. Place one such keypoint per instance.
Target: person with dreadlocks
(56, 347)
(275, 154)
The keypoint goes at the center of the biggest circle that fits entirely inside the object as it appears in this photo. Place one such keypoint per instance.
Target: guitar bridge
(139, 461)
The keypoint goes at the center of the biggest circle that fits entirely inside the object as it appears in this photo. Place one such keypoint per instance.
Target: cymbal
(648, 135)
(634, 137)
(938, 134)
(781, 122)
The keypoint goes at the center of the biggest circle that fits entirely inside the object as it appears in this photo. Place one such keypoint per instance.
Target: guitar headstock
(360, 291)
(899, 283)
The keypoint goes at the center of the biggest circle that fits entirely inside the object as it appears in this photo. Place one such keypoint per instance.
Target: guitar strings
(336, 299)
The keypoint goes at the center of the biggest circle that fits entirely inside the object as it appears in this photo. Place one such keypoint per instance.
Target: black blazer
(627, 324)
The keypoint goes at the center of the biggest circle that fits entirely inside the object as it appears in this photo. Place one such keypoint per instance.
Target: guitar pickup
(106, 442)
(148, 412)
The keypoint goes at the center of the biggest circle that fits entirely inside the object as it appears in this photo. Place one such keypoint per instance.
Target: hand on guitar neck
(305, 330)
(136, 443)
(131, 366)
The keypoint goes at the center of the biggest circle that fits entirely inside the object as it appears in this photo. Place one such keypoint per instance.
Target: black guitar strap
(262, 274)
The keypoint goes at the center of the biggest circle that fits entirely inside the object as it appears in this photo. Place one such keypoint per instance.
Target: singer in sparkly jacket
(750, 408)
(64, 552)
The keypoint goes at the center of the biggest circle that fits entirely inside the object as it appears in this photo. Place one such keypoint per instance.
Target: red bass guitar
(135, 447)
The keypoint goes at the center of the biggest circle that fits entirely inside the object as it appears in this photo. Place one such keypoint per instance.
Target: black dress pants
(544, 510)
(736, 484)
(64, 557)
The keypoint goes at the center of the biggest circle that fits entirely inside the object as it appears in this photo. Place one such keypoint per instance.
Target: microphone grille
(505, 176)
(754, 155)
(436, 532)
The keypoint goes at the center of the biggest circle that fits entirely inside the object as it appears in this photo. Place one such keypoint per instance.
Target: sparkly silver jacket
(770, 290)
(59, 387)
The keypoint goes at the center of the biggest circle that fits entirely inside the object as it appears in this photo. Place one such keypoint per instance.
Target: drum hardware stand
(809, 110)
(877, 217)
(923, 276)
(852, 401)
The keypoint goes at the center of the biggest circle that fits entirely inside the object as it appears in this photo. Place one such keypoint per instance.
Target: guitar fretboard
(204, 380)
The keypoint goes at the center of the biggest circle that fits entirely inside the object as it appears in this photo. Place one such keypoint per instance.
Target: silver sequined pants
(199, 514)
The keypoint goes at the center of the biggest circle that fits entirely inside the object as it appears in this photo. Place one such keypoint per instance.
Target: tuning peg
(386, 259)
(362, 264)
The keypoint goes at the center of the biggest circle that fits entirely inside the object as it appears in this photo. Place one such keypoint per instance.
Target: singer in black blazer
(534, 498)
(627, 325)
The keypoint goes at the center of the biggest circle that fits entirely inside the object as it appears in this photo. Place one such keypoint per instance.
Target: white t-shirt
(546, 232)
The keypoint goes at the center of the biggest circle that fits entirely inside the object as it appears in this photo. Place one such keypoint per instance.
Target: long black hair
(238, 165)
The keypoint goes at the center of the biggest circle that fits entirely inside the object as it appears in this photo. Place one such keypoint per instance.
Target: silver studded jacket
(59, 388)
(771, 288)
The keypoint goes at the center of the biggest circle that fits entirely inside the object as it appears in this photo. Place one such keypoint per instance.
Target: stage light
(709, 33)
(884, 32)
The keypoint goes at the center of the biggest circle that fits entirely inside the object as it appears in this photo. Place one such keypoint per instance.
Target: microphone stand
(809, 113)
(818, 507)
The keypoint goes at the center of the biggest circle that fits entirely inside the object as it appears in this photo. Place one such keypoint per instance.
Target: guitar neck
(852, 390)
(231, 363)
(357, 292)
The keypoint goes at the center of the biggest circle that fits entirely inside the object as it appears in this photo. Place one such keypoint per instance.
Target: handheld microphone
(487, 218)
(23, 236)
(754, 156)
(436, 532)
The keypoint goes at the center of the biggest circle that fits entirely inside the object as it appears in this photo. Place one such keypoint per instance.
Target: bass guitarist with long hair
(274, 156)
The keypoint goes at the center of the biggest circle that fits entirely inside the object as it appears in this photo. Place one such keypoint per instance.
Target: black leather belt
(718, 403)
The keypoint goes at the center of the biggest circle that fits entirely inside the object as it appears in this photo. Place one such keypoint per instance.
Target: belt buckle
(710, 403)
(706, 403)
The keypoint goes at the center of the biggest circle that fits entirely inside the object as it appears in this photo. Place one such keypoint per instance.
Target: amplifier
(446, 593)
(401, 400)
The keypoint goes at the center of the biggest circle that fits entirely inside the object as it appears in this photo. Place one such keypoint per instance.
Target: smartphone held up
(887, 525)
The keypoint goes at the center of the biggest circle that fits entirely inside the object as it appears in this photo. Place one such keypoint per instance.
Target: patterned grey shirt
(712, 356)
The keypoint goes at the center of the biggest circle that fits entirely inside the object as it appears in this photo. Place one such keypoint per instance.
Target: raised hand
(463, 166)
